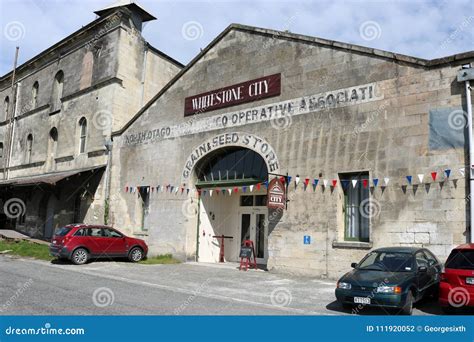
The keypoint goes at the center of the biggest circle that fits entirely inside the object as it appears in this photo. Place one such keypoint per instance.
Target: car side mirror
(354, 265)
(422, 269)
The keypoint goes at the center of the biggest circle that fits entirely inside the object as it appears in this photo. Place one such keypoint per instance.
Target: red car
(456, 288)
(80, 242)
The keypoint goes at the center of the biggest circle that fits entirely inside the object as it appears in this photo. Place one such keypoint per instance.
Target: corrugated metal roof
(47, 178)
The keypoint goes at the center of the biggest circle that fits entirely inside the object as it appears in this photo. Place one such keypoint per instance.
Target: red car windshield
(461, 259)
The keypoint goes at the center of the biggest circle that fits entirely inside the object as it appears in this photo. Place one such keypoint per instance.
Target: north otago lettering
(146, 136)
(253, 90)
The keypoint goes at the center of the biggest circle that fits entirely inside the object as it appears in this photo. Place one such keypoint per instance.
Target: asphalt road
(32, 287)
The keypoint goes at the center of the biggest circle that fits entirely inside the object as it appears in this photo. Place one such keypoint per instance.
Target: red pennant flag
(334, 182)
(217, 191)
(433, 175)
(282, 179)
(126, 189)
(199, 193)
(236, 189)
(306, 181)
(182, 190)
(365, 182)
(258, 186)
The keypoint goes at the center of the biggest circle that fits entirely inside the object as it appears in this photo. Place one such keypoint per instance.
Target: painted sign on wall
(244, 92)
(276, 198)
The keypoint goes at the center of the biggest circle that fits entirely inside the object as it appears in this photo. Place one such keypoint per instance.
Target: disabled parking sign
(307, 239)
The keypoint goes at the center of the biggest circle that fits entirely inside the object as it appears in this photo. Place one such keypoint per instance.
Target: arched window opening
(53, 141)
(34, 95)
(82, 135)
(232, 165)
(58, 90)
(1, 150)
(6, 107)
(29, 148)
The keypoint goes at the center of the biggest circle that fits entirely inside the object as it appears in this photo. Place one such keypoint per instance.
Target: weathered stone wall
(387, 137)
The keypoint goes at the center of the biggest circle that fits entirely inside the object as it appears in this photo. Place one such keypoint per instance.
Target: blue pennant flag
(376, 181)
(266, 184)
(447, 172)
(409, 179)
(288, 180)
(315, 183)
(344, 183)
(244, 189)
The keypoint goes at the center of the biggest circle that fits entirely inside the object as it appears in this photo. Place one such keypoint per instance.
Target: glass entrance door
(254, 226)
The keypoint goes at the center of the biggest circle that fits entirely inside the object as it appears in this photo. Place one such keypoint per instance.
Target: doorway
(254, 227)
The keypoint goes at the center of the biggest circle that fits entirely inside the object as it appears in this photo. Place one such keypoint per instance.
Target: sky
(426, 29)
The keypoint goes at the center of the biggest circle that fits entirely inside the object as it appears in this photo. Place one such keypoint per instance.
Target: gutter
(466, 74)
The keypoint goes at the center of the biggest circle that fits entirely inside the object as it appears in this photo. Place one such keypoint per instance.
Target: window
(29, 148)
(6, 106)
(1, 150)
(63, 231)
(58, 90)
(145, 204)
(94, 232)
(250, 201)
(34, 95)
(356, 207)
(387, 261)
(421, 259)
(111, 233)
(53, 141)
(461, 259)
(80, 232)
(82, 135)
(246, 201)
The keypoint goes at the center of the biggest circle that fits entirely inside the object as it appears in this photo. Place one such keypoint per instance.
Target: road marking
(180, 290)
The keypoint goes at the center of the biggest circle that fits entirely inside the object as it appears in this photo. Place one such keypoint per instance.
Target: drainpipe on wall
(145, 55)
(465, 75)
(108, 145)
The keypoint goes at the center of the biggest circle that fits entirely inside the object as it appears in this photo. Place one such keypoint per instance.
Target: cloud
(427, 29)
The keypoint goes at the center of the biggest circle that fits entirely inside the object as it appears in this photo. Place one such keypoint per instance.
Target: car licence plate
(362, 300)
(470, 281)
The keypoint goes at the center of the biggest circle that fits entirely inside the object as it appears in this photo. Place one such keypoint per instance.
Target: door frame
(253, 211)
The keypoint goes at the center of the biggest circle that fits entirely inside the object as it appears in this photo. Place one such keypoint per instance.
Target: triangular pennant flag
(409, 179)
(244, 189)
(251, 188)
(217, 191)
(266, 184)
(354, 183)
(182, 190)
(236, 189)
(420, 177)
(447, 172)
(365, 182)
(462, 171)
(126, 189)
(171, 188)
(199, 192)
(187, 191)
(297, 180)
(288, 180)
(325, 182)
(433, 175)
(315, 184)
(386, 180)
(375, 181)
(334, 182)
(258, 186)
(306, 181)
(176, 190)
(229, 191)
(210, 193)
(344, 183)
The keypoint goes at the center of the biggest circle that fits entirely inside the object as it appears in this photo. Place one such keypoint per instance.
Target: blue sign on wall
(307, 240)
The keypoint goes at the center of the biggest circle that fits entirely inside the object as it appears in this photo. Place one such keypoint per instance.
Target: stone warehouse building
(371, 147)
(58, 111)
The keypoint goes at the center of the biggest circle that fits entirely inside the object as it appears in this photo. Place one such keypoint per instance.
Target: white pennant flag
(420, 177)
(177, 189)
(297, 180)
(162, 188)
(354, 182)
(148, 189)
(251, 188)
(462, 171)
(325, 182)
(210, 193)
(230, 191)
(386, 180)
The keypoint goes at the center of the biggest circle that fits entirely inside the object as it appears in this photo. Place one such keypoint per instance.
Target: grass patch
(160, 259)
(26, 249)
